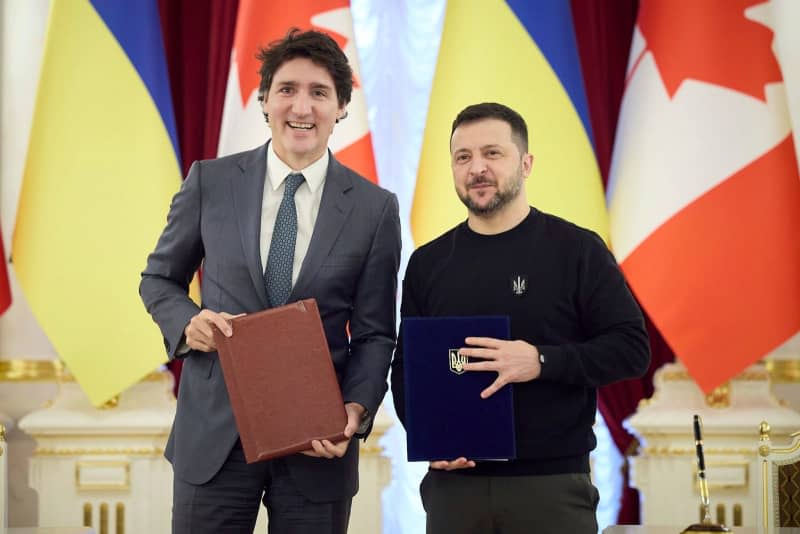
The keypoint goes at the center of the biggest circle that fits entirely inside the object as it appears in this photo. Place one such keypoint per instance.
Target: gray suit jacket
(350, 268)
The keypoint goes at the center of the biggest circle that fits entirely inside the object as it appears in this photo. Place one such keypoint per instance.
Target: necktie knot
(293, 183)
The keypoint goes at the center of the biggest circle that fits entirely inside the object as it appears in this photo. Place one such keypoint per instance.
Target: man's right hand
(458, 463)
(199, 334)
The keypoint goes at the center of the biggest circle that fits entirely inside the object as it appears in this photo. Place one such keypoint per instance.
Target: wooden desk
(648, 529)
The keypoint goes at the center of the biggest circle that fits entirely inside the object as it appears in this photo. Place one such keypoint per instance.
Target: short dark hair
(318, 47)
(493, 110)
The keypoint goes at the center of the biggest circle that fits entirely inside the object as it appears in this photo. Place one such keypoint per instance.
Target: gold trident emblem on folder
(457, 362)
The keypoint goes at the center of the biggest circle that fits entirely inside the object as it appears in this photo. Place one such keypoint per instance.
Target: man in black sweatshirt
(574, 327)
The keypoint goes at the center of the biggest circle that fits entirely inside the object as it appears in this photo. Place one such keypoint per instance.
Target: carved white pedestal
(665, 470)
(104, 467)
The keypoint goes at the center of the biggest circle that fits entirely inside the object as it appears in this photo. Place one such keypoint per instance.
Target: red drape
(604, 37)
(198, 36)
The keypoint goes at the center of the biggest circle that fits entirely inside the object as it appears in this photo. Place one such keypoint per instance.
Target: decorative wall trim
(783, 371)
(50, 371)
(142, 451)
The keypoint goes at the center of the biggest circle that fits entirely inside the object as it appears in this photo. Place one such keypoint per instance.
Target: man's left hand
(327, 449)
(514, 361)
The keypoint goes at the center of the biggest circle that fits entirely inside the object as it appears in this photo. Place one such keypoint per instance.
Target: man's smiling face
(303, 107)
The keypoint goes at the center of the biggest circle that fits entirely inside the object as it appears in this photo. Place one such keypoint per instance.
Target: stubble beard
(501, 198)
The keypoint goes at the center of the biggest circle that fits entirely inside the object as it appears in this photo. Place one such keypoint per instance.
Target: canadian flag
(704, 194)
(257, 24)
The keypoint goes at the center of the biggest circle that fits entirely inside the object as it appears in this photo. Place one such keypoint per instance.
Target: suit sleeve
(372, 322)
(616, 346)
(164, 287)
(408, 308)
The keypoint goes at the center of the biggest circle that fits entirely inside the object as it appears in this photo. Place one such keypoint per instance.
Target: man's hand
(458, 463)
(200, 336)
(327, 449)
(514, 361)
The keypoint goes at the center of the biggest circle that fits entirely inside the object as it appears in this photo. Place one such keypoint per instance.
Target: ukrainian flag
(101, 167)
(524, 55)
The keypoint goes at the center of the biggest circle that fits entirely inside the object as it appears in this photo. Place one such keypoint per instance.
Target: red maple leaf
(260, 22)
(711, 41)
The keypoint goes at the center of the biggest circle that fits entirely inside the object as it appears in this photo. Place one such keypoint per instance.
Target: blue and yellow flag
(524, 55)
(101, 167)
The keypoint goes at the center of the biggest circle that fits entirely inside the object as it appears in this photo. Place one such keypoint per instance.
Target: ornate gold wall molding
(680, 451)
(783, 371)
(80, 451)
(747, 376)
(778, 371)
(31, 370)
(50, 371)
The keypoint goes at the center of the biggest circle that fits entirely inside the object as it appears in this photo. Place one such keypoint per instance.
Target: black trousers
(228, 503)
(548, 504)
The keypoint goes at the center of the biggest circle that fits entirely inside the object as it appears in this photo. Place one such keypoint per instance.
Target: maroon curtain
(604, 36)
(198, 36)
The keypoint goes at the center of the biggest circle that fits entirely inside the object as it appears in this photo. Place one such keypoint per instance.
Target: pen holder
(703, 528)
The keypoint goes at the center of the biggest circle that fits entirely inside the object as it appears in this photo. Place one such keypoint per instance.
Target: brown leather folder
(281, 381)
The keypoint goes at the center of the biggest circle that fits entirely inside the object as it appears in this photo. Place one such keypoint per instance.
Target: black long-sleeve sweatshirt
(565, 295)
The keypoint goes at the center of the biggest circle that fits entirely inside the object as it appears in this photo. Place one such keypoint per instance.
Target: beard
(501, 198)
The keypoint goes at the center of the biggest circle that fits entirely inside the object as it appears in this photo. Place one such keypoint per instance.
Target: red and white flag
(5, 287)
(260, 22)
(704, 194)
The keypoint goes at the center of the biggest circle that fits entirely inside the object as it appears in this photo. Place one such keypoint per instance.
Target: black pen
(701, 468)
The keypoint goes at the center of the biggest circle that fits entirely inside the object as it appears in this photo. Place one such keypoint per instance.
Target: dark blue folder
(445, 415)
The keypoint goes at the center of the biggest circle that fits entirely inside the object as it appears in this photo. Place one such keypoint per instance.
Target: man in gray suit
(343, 249)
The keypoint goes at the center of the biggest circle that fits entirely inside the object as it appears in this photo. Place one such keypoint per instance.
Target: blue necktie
(278, 273)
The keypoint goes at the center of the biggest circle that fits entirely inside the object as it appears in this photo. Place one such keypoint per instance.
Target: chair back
(780, 482)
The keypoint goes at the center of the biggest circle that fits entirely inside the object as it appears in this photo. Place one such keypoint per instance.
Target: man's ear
(527, 164)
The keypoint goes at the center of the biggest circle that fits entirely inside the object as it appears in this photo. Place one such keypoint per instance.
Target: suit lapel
(248, 192)
(334, 208)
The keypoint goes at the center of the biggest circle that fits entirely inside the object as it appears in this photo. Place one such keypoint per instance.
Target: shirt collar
(277, 170)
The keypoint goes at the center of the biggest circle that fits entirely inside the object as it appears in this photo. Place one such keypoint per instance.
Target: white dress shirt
(307, 200)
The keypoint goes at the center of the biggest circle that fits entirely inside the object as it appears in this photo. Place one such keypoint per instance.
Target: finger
(337, 449)
(228, 316)
(488, 342)
(458, 463)
(194, 335)
(492, 389)
(355, 413)
(319, 449)
(201, 346)
(220, 322)
(350, 429)
(482, 366)
(486, 354)
(200, 329)
(461, 463)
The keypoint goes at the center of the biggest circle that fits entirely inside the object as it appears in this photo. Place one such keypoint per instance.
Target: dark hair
(492, 110)
(316, 46)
